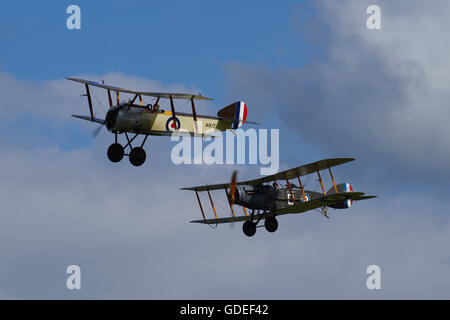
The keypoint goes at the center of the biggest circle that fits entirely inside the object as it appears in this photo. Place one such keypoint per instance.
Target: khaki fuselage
(137, 119)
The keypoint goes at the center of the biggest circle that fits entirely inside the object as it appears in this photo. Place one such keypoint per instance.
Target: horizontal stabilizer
(240, 121)
(365, 197)
(326, 201)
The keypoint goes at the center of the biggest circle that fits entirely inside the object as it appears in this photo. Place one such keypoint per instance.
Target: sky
(311, 69)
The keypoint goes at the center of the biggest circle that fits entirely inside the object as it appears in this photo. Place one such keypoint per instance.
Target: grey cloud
(128, 231)
(380, 94)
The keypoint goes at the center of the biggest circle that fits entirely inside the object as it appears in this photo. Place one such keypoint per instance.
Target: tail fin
(236, 112)
(342, 187)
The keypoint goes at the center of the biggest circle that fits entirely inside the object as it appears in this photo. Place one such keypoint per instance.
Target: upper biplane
(269, 201)
(150, 119)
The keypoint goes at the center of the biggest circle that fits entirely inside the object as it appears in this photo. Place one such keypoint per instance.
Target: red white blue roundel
(170, 125)
(306, 198)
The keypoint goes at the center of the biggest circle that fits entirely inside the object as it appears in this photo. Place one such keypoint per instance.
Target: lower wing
(298, 208)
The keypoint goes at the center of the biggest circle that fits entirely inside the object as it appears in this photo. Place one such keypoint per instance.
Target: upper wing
(288, 174)
(300, 171)
(143, 93)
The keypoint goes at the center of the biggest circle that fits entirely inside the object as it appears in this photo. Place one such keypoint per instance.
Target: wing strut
(332, 179)
(195, 121)
(155, 106)
(109, 96)
(200, 205)
(89, 101)
(229, 202)
(301, 187)
(321, 183)
(324, 209)
(174, 115)
(118, 97)
(212, 203)
(290, 191)
(134, 99)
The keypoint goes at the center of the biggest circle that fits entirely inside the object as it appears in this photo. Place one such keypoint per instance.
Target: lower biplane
(150, 119)
(267, 201)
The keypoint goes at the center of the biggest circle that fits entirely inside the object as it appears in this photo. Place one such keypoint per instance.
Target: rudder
(236, 112)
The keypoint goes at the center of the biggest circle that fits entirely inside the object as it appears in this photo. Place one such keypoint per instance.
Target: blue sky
(172, 41)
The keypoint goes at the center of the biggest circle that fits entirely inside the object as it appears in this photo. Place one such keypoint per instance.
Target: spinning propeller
(97, 130)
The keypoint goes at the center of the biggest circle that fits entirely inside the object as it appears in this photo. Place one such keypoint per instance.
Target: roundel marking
(170, 125)
(306, 199)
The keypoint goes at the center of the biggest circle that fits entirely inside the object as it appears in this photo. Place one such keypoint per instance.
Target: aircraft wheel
(249, 228)
(271, 224)
(115, 152)
(137, 156)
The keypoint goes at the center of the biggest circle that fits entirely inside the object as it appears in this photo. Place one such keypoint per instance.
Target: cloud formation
(379, 93)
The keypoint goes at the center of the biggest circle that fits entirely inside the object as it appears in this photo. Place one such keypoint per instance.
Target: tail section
(342, 187)
(235, 112)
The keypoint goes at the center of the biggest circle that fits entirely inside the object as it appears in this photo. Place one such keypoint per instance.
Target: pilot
(275, 185)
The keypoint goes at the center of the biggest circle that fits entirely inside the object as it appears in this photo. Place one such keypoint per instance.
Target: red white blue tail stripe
(348, 188)
(241, 114)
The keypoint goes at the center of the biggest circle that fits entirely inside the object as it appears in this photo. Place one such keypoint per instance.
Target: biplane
(267, 201)
(150, 119)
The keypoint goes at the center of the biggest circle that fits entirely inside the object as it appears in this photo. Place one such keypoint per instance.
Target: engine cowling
(255, 197)
(342, 187)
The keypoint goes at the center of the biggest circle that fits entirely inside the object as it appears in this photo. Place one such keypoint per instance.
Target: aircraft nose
(111, 118)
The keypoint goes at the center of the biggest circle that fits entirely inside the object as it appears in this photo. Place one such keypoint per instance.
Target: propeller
(109, 114)
(97, 130)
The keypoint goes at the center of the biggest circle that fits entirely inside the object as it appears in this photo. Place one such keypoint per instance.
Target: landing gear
(137, 155)
(115, 152)
(249, 228)
(271, 224)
